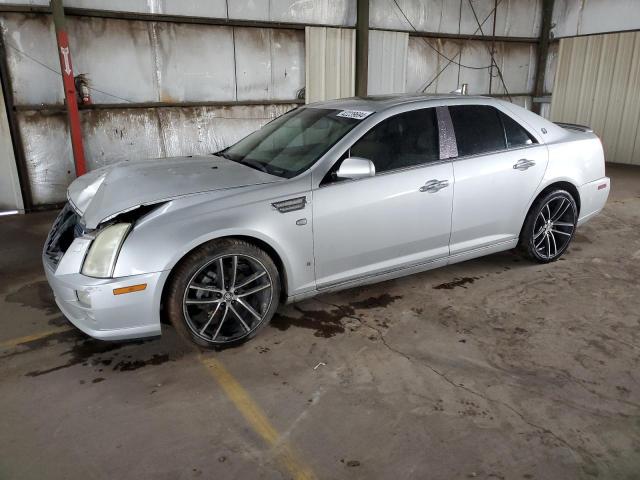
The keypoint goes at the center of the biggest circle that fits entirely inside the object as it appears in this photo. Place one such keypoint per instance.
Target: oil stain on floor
(100, 355)
(36, 295)
(456, 282)
(327, 322)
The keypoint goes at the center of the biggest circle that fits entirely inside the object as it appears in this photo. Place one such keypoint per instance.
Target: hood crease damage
(107, 192)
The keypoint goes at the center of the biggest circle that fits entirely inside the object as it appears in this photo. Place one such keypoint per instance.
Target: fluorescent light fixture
(9, 212)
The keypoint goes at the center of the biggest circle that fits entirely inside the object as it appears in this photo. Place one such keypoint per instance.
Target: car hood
(107, 191)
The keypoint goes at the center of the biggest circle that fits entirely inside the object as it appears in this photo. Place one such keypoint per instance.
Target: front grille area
(65, 229)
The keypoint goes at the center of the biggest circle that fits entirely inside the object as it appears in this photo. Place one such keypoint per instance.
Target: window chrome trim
(496, 152)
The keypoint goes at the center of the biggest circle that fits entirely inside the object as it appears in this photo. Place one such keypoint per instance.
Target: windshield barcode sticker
(355, 114)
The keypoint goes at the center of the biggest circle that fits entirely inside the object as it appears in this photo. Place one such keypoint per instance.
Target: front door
(400, 217)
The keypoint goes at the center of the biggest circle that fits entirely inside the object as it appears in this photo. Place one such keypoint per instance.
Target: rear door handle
(433, 186)
(523, 164)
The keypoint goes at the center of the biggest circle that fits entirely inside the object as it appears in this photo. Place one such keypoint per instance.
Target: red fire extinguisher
(82, 87)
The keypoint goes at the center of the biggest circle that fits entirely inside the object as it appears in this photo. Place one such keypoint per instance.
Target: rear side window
(516, 135)
(478, 129)
(401, 141)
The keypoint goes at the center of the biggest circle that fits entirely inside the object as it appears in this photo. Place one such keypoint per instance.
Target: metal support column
(543, 52)
(362, 47)
(68, 82)
(493, 44)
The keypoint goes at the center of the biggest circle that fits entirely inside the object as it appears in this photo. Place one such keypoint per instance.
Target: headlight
(103, 253)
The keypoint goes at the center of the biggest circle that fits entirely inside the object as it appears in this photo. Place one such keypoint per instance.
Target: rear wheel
(549, 226)
(223, 293)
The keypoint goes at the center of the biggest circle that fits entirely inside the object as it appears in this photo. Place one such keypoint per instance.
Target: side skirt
(402, 272)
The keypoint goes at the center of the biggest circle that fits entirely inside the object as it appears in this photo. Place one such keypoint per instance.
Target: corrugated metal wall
(431, 72)
(201, 83)
(118, 134)
(320, 12)
(330, 63)
(387, 62)
(137, 61)
(597, 83)
(584, 17)
(155, 61)
(194, 87)
(441, 65)
(516, 18)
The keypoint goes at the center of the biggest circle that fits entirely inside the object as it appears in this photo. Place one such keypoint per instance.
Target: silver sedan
(328, 196)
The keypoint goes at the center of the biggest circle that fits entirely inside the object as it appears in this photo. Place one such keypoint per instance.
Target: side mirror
(355, 167)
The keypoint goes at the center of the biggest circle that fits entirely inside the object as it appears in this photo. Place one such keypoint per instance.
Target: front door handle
(523, 164)
(433, 186)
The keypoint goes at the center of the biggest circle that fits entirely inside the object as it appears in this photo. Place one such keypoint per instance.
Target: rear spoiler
(573, 126)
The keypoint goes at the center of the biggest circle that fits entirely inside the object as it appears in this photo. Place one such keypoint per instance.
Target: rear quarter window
(515, 134)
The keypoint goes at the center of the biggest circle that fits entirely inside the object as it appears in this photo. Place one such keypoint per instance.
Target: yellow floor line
(254, 415)
(14, 342)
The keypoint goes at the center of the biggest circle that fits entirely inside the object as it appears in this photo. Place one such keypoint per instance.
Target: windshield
(290, 144)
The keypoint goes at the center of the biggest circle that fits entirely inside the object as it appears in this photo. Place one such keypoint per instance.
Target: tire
(549, 227)
(214, 307)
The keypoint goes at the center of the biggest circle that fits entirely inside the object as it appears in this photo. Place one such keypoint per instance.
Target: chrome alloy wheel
(227, 298)
(554, 227)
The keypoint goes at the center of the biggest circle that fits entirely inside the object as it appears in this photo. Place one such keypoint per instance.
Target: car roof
(377, 103)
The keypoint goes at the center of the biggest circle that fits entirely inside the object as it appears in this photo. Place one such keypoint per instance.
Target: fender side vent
(290, 205)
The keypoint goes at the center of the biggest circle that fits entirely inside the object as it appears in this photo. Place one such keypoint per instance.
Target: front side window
(478, 129)
(401, 141)
(291, 143)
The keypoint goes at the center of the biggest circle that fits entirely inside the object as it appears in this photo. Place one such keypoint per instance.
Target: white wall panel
(140, 61)
(583, 17)
(203, 130)
(249, 10)
(34, 35)
(196, 63)
(269, 63)
(192, 8)
(117, 56)
(320, 12)
(424, 65)
(112, 136)
(287, 64)
(517, 63)
(387, 62)
(329, 63)
(519, 18)
(48, 155)
(317, 12)
(597, 84)
(41, 3)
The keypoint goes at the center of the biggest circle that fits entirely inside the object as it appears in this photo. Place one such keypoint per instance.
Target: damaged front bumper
(91, 305)
(104, 308)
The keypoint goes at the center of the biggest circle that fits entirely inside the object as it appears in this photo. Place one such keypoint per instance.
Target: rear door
(498, 170)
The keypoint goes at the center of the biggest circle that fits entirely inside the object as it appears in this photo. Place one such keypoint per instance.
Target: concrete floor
(495, 368)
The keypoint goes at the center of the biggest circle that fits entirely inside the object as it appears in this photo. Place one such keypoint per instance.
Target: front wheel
(549, 226)
(223, 293)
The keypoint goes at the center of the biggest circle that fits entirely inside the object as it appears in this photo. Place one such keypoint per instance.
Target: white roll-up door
(598, 84)
(330, 59)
